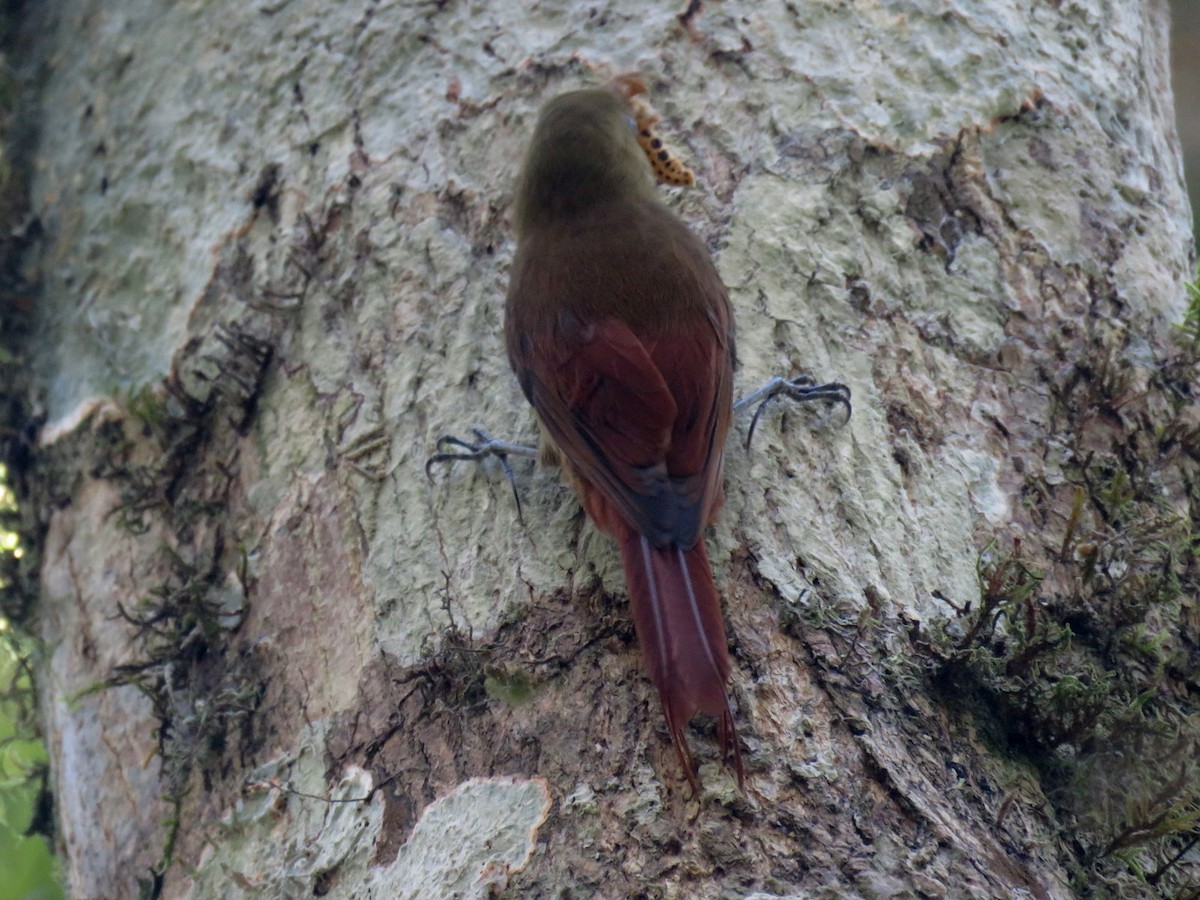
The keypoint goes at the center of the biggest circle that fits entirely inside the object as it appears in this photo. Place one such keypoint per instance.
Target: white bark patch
(291, 835)
(979, 470)
(97, 738)
(289, 830)
(468, 841)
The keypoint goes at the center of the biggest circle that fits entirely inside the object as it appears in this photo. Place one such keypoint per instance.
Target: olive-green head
(584, 153)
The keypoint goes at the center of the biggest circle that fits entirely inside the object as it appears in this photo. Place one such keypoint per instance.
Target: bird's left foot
(803, 389)
(478, 450)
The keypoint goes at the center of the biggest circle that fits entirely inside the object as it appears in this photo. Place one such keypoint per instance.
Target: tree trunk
(274, 246)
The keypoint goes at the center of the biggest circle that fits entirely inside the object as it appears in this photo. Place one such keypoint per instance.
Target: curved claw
(802, 389)
(483, 446)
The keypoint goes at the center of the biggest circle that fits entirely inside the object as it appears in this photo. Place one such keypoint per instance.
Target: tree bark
(281, 661)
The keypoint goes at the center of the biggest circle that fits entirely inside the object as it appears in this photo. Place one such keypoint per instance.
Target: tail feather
(677, 613)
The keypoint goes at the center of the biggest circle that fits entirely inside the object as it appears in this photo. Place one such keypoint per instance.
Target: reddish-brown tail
(677, 612)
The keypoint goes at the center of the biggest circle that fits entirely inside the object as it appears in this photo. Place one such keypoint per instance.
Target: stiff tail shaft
(677, 612)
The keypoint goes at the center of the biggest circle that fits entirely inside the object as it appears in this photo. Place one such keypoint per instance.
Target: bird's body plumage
(621, 334)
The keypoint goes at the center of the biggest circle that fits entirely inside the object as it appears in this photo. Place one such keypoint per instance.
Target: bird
(620, 332)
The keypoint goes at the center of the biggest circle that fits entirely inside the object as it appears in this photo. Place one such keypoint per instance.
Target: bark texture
(273, 260)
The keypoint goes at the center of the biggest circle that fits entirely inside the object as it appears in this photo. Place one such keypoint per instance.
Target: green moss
(1082, 648)
(1188, 331)
(508, 685)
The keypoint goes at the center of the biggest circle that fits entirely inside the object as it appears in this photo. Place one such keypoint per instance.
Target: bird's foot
(478, 450)
(802, 389)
